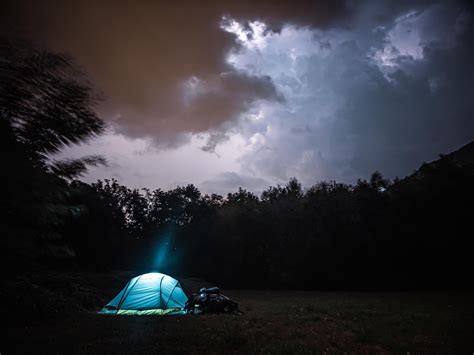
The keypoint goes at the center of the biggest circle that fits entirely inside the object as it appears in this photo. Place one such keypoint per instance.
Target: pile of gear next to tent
(210, 300)
(159, 294)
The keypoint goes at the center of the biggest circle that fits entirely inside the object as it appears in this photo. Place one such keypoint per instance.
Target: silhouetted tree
(45, 105)
(46, 102)
(371, 235)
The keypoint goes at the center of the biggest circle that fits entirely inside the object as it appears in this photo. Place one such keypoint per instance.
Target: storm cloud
(249, 95)
(387, 94)
(161, 66)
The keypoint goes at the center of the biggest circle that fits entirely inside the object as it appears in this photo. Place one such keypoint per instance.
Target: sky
(227, 94)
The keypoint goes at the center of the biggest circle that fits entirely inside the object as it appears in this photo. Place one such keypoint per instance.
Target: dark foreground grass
(273, 321)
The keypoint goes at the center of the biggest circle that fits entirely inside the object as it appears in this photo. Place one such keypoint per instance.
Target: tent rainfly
(152, 293)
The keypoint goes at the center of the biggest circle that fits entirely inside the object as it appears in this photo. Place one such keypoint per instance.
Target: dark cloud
(141, 54)
(392, 92)
(214, 139)
(338, 90)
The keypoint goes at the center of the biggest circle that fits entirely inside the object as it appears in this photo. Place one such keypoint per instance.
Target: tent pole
(169, 297)
(161, 298)
(123, 296)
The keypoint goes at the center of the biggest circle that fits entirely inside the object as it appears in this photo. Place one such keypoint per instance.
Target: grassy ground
(273, 321)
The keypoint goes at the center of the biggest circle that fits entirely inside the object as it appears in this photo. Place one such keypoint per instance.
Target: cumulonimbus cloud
(141, 55)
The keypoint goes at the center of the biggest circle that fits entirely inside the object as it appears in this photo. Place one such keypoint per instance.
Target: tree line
(376, 234)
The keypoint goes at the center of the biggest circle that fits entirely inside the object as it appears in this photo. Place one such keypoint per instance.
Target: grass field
(273, 321)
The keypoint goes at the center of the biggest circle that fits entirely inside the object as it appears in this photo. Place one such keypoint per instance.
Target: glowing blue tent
(152, 293)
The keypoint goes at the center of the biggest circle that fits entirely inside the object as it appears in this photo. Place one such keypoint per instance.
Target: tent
(152, 293)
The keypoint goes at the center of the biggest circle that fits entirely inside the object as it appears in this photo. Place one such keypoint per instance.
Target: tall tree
(46, 104)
